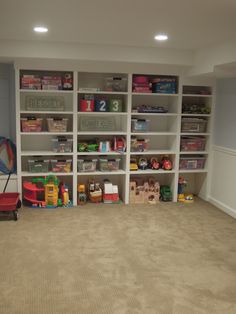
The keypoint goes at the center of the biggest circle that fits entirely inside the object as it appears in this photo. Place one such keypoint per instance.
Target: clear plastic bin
(139, 125)
(192, 143)
(192, 162)
(57, 124)
(61, 165)
(109, 164)
(116, 84)
(89, 165)
(62, 145)
(193, 125)
(38, 165)
(31, 124)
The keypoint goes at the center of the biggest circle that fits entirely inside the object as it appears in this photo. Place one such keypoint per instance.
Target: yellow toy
(51, 191)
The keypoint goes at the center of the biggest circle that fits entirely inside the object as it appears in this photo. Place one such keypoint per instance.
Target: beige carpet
(170, 258)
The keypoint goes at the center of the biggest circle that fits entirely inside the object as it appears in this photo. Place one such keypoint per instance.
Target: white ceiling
(190, 24)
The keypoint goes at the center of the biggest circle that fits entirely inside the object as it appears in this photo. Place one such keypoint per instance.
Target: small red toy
(166, 163)
(154, 163)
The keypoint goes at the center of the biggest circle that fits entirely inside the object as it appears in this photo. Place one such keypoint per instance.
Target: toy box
(38, 165)
(31, 124)
(193, 125)
(164, 85)
(192, 162)
(89, 165)
(61, 165)
(57, 124)
(109, 164)
(139, 125)
(192, 143)
(62, 145)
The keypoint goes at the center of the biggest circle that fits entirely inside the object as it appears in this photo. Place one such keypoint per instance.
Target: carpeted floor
(168, 258)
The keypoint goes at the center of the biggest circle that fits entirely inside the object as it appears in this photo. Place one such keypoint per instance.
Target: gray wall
(7, 101)
(225, 113)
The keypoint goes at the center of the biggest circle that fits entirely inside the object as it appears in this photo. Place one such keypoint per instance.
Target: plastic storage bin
(57, 124)
(38, 165)
(195, 125)
(116, 84)
(109, 164)
(139, 125)
(62, 145)
(61, 165)
(89, 165)
(31, 124)
(192, 143)
(192, 162)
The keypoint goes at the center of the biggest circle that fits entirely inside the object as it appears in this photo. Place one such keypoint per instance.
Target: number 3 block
(115, 105)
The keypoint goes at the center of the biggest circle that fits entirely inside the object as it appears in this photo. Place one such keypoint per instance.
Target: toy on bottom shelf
(111, 194)
(82, 197)
(94, 191)
(147, 192)
(165, 193)
(185, 198)
(46, 192)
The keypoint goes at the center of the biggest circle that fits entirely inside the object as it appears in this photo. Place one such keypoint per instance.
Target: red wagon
(10, 202)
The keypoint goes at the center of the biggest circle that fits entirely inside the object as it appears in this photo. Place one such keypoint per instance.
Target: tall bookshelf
(164, 133)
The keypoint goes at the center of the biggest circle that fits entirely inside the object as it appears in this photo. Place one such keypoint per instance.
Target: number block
(86, 105)
(101, 105)
(115, 105)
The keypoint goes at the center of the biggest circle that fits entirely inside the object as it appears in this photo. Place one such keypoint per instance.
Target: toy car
(165, 193)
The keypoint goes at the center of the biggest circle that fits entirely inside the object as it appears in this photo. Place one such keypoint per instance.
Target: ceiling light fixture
(40, 29)
(161, 37)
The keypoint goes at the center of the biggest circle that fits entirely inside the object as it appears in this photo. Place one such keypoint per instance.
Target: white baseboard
(225, 208)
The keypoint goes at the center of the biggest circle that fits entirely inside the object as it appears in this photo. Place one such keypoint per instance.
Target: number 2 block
(101, 105)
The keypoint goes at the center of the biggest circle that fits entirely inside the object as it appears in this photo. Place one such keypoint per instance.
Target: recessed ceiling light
(40, 29)
(161, 37)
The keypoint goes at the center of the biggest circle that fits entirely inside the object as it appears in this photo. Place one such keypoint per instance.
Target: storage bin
(44, 103)
(38, 165)
(139, 125)
(62, 145)
(86, 105)
(57, 124)
(89, 165)
(31, 124)
(61, 165)
(109, 164)
(116, 84)
(139, 145)
(192, 143)
(197, 125)
(192, 162)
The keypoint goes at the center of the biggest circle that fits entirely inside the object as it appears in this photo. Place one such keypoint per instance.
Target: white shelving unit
(164, 132)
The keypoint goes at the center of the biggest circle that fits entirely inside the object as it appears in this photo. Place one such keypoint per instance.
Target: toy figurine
(154, 164)
(82, 197)
(142, 163)
(181, 196)
(166, 163)
(67, 81)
